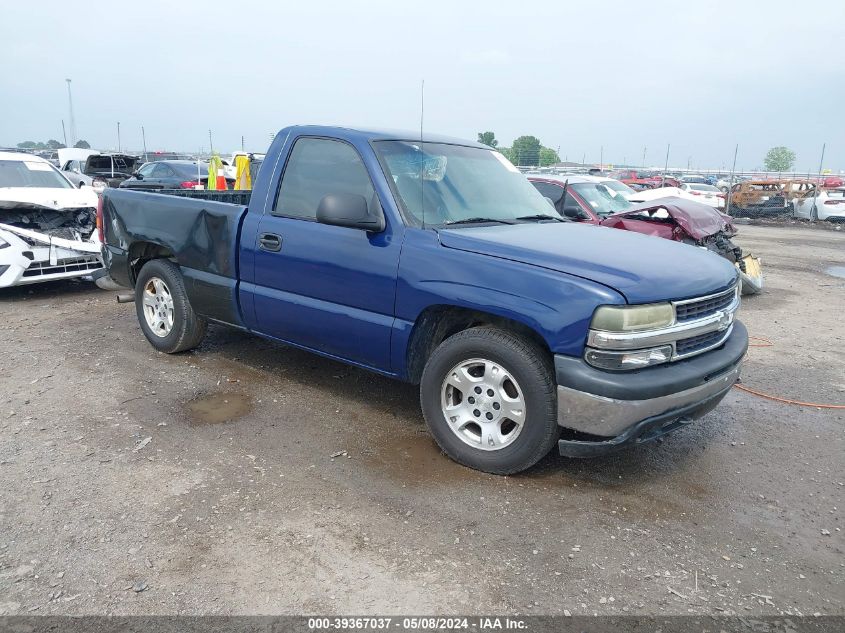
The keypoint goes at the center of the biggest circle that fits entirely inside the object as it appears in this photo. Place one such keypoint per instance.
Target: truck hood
(641, 268)
(47, 197)
(696, 218)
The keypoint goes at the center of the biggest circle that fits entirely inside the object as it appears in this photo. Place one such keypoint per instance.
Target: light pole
(118, 136)
(72, 119)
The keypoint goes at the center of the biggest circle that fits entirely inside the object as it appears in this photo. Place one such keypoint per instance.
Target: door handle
(270, 242)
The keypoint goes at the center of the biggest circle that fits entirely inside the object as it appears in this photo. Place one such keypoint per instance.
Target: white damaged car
(47, 226)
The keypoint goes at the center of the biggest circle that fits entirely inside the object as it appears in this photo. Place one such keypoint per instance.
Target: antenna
(422, 152)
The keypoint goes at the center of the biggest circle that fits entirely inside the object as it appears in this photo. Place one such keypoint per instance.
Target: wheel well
(142, 252)
(437, 323)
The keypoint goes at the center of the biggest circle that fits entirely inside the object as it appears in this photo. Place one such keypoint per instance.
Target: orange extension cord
(764, 342)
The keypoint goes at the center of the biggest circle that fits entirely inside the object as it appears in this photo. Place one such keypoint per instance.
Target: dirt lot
(134, 482)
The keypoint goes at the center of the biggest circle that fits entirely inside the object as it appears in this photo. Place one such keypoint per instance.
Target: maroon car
(644, 179)
(604, 202)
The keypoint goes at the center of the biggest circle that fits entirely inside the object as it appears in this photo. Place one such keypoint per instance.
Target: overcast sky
(701, 76)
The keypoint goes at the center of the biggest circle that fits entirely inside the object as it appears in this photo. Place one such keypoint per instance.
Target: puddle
(218, 408)
(836, 271)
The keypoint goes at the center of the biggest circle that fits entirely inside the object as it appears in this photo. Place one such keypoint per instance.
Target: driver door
(326, 288)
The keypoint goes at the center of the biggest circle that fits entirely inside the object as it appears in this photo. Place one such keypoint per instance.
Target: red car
(604, 202)
(648, 179)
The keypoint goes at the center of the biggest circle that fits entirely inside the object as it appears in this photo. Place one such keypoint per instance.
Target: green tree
(507, 152)
(54, 144)
(548, 157)
(82, 144)
(779, 159)
(526, 150)
(488, 138)
(27, 145)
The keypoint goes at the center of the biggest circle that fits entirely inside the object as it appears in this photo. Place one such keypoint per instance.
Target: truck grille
(700, 308)
(699, 343)
(72, 265)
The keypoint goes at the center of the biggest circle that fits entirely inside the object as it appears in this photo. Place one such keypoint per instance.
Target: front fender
(557, 306)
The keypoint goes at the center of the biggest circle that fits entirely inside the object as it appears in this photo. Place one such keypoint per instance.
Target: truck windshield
(24, 173)
(443, 184)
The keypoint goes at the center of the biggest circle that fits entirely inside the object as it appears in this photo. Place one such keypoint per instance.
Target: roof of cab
(364, 134)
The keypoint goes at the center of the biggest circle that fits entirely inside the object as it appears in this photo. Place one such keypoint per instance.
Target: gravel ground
(248, 478)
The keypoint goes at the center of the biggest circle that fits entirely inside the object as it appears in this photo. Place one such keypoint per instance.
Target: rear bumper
(623, 408)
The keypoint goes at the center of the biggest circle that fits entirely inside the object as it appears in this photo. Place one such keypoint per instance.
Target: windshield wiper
(479, 221)
(542, 216)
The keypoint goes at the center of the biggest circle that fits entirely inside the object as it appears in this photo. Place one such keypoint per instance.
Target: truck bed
(202, 234)
(229, 196)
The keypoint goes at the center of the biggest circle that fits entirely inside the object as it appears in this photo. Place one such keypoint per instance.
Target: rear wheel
(164, 312)
(489, 399)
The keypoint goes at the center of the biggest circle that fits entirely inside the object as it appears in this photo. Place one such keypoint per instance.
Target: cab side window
(316, 168)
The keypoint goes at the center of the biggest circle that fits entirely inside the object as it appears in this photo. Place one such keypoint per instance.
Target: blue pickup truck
(433, 260)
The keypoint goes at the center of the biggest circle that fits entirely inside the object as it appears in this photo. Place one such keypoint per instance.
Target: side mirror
(81, 184)
(573, 212)
(137, 175)
(349, 210)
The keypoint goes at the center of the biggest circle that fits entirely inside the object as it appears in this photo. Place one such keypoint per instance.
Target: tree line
(525, 151)
(529, 151)
(52, 144)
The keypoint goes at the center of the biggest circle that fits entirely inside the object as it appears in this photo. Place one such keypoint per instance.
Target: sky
(596, 80)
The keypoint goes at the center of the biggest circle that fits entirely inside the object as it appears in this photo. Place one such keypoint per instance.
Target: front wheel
(490, 401)
(164, 312)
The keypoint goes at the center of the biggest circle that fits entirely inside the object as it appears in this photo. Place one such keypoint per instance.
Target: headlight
(624, 361)
(99, 183)
(633, 318)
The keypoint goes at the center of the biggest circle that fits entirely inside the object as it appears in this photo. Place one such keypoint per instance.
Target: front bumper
(619, 408)
(29, 257)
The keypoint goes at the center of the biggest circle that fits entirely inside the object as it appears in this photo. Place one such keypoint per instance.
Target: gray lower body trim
(609, 417)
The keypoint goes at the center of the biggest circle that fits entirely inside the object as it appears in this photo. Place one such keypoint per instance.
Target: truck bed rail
(239, 197)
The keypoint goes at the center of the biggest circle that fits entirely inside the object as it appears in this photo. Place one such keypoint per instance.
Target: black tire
(532, 369)
(188, 327)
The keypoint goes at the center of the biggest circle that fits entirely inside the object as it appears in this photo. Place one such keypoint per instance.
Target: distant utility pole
(118, 136)
(64, 134)
(144, 141)
(689, 159)
(601, 158)
(731, 183)
(210, 143)
(72, 120)
(666, 166)
(242, 144)
(644, 149)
